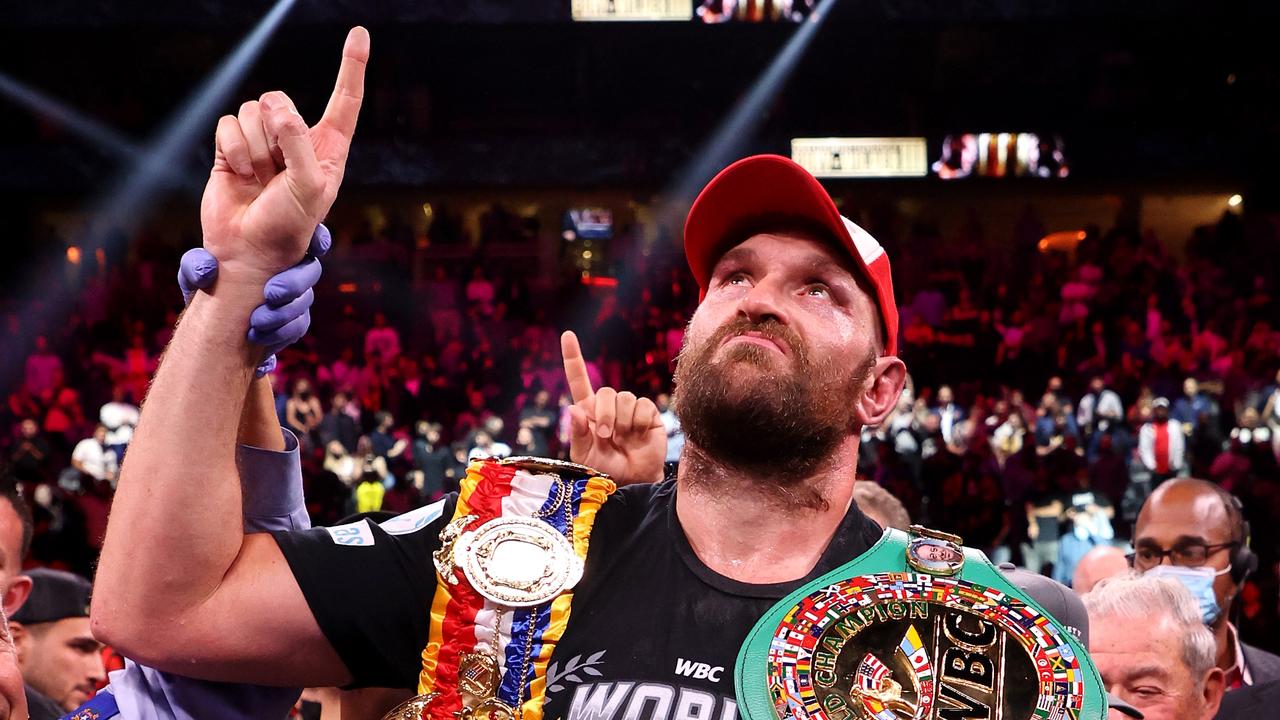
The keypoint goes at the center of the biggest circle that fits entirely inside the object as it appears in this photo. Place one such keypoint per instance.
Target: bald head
(1098, 564)
(1185, 512)
(1201, 504)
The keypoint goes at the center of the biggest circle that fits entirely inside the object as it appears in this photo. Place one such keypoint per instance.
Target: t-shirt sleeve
(370, 589)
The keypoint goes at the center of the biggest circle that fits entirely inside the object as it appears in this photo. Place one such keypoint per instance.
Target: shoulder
(632, 501)
(1245, 703)
(1263, 666)
(628, 509)
(39, 706)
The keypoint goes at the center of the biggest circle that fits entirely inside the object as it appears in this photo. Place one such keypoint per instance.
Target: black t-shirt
(653, 633)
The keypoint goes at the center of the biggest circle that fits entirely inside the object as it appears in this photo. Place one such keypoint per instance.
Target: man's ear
(1213, 687)
(16, 595)
(884, 387)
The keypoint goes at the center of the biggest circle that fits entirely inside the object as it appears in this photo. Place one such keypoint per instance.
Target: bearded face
(768, 414)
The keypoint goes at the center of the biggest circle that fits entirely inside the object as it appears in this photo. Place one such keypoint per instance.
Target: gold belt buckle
(414, 708)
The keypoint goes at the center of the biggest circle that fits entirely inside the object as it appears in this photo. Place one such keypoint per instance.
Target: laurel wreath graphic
(572, 667)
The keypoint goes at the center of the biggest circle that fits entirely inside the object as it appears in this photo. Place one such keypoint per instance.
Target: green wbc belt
(916, 628)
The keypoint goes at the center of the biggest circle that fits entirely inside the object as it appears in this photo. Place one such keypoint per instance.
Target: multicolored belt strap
(507, 564)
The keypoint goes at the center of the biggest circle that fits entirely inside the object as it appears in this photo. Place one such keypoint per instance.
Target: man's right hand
(274, 178)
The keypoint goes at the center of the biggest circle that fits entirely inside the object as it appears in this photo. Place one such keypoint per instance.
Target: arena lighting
(728, 141)
(740, 125)
(86, 128)
(599, 281)
(122, 209)
(1065, 241)
(103, 138)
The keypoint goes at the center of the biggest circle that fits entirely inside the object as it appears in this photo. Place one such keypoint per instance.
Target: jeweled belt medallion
(899, 646)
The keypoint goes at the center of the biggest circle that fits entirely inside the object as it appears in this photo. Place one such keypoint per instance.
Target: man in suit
(1247, 703)
(1194, 530)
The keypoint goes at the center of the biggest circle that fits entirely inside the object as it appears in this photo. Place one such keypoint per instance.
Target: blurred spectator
(338, 425)
(524, 445)
(432, 458)
(1146, 638)
(402, 497)
(44, 370)
(382, 442)
(343, 374)
(382, 342)
(1099, 408)
(1088, 515)
(302, 413)
(1161, 445)
(948, 412)
(480, 292)
(675, 436)
(94, 458)
(486, 447)
(120, 417)
(1045, 507)
(1008, 436)
(29, 456)
(1192, 405)
(1098, 564)
(442, 298)
(370, 492)
(65, 419)
(539, 418)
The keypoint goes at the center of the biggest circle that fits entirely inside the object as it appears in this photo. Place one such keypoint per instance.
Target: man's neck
(1226, 642)
(752, 529)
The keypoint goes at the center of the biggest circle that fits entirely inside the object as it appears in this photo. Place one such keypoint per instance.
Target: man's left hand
(613, 432)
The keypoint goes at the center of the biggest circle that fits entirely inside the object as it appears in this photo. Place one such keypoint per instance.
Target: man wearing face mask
(1194, 531)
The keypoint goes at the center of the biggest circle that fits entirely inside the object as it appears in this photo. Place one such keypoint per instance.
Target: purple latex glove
(286, 315)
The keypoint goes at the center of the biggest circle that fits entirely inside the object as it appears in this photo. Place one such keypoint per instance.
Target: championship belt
(506, 568)
(916, 628)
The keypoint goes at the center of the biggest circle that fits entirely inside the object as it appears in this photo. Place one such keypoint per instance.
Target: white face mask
(1199, 581)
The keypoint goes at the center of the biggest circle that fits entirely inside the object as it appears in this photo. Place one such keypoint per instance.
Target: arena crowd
(1051, 393)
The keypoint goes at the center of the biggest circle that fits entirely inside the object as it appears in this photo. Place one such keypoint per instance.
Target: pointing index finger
(575, 367)
(348, 91)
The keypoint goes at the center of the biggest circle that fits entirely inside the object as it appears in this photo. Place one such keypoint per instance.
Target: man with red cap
(790, 353)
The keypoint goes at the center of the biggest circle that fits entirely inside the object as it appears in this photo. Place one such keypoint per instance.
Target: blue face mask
(1199, 580)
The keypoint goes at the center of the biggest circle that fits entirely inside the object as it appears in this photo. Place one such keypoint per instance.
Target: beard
(774, 418)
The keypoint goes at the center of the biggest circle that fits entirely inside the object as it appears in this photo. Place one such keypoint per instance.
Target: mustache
(768, 328)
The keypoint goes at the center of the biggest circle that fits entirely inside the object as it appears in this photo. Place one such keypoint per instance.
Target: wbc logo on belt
(908, 646)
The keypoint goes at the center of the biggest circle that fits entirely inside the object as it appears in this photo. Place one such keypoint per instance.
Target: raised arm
(180, 586)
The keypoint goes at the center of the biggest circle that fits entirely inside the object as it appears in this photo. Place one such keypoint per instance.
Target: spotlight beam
(99, 136)
(122, 209)
(84, 127)
(742, 122)
(731, 135)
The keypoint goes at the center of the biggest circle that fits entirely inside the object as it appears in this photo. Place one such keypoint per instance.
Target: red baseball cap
(771, 185)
